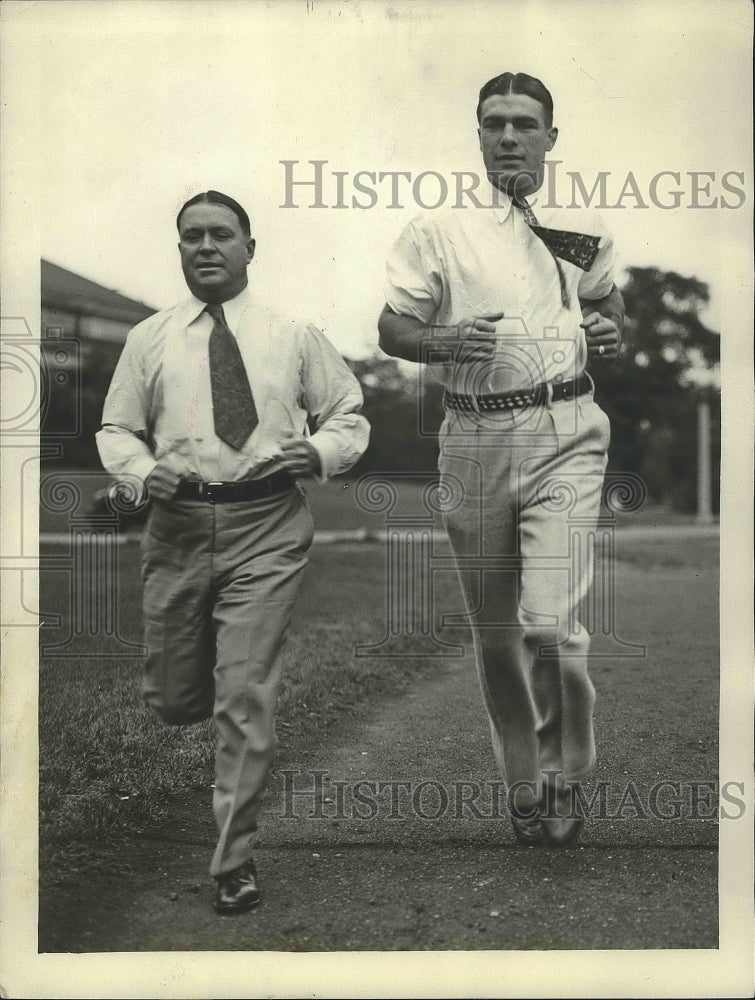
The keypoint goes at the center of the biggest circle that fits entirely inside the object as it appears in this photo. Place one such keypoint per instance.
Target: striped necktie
(233, 406)
(576, 248)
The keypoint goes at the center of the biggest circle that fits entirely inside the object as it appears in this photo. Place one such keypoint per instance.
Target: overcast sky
(146, 103)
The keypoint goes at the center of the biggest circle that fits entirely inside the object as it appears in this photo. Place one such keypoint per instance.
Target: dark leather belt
(517, 400)
(250, 489)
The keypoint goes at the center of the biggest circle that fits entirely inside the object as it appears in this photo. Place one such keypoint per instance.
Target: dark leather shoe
(560, 832)
(237, 891)
(562, 818)
(529, 832)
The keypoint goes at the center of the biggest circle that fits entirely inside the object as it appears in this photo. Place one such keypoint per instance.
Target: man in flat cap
(507, 300)
(208, 407)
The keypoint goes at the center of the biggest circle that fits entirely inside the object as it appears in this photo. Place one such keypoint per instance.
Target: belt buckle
(207, 492)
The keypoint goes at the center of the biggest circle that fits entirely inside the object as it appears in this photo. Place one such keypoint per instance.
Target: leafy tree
(651, 391)
(404, 416)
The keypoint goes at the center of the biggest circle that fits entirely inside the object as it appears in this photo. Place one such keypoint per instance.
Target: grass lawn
(106, 762)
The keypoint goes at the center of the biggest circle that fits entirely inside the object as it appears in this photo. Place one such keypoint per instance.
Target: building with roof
(78, 307)
(84, 326)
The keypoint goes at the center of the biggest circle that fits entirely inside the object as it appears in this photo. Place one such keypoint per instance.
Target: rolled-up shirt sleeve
(600, 279)
(125, 417)
(413, 284)
(333, 398)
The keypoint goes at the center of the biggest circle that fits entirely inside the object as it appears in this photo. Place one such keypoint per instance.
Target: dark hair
(218, 198)
(518, 83)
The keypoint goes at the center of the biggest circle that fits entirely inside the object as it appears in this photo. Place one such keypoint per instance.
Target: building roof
(62, 289)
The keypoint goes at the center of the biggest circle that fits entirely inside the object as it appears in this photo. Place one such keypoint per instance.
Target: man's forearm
(402, 336)
(123, 453)
(611, 306)
(406, 337)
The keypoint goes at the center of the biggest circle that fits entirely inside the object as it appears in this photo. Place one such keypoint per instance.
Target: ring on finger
(602, 349)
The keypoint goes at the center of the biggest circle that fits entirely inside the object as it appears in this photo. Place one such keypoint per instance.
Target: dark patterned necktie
(576, 248)
(232, 403)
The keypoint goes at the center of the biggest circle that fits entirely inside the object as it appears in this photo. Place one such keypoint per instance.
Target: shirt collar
(232, 309)
(502, 203)
(499, 202)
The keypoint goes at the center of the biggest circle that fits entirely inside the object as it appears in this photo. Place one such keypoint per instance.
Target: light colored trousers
(523, 495)
(220, 584)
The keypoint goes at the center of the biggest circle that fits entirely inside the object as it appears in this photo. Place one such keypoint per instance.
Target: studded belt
(517, 400)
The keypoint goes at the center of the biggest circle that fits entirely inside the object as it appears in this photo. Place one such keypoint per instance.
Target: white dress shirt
(454, 264)
(159, 406)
